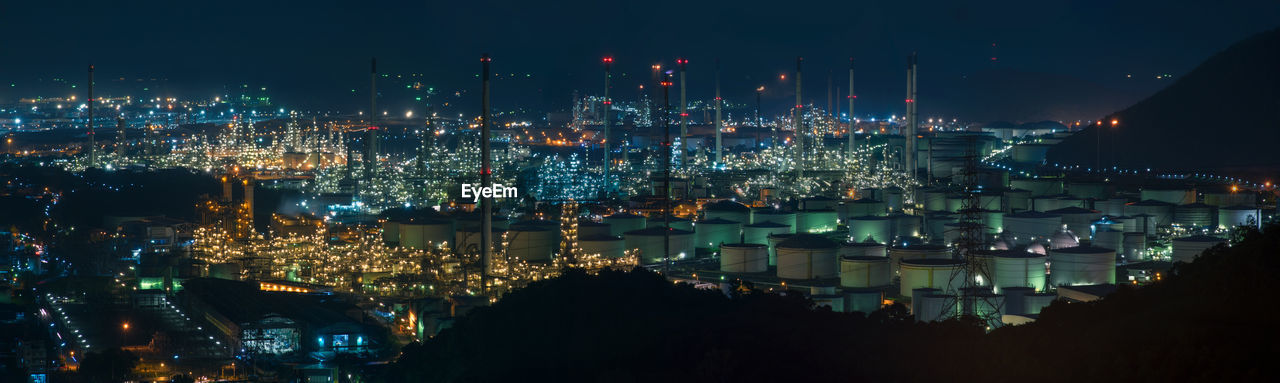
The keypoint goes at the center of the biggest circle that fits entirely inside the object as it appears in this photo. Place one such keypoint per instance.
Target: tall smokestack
(93, 141)
(798, 115)
(684, 119)
(120, 136)
(608, 105)
(829, 99)
(371, 134)
(486, 226)
(852, 123)
(226, 189)
(666, 173)
(248, 201)
(909, 131)
(719, 122)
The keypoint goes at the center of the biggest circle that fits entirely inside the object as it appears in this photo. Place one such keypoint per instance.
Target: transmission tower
(974, 300)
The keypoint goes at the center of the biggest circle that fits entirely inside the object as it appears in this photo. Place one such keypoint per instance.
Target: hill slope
(1224, 117)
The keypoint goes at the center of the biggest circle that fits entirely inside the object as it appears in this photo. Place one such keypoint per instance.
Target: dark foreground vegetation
(1212, 320)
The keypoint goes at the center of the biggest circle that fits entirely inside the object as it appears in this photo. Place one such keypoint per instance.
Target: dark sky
(314, 53)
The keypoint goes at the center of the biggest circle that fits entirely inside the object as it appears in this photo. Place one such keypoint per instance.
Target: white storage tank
(744, 258)
(623, 222)
(1232, 216)
(606, 245)
(1172, 196)
(1186, 249)
(649, 241)
(774, 240)
(1134, 247)
(943, 274)
(1228, 198)
(1027, 226)
(1019, 269)
(422, 234)
(1033, 303)
(955, 202)
(1144, 223)
(992, 221)
(807, 256)
(893, 198)
(531, 243)
(917, 251)
(935, 199)
(1161, 212)
(1038, 186)
(1195, 215)
(935, 226)
(1088, 190)
(863, 300)
(1112, 206)
(468, 239)
(929, 305)
(819, 203)
(586, 228)
(955, 230)
(863, 249)
(865, 207)
(713, 232)
(906, 226)
(776, 216)
(727, 210)
(875, 228)
(864, 272)
(759, 232)
(1016, 200)
(1109, 238)
(816, 221)
(676, 223)
(1082, 265)
(1079, 220)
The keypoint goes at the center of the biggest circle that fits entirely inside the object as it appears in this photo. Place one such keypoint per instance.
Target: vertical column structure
(684, 118)
(909, 129)
(759, 122)
(486, 226)
(797, 115)
(666, 174)
(719, 122)
(371, 135)
(120, 136)
(853, 125)
(93, 141)
(608, 106)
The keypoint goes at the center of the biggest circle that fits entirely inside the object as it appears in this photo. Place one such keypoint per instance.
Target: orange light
(125, 325)
(1115, 122)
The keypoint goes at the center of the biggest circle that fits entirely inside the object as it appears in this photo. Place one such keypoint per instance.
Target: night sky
(313, 54)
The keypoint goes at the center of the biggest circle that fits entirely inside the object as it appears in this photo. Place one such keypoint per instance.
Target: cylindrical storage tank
(906, 226)
(893, 199)
(1030, 153)
(899, 254)
(984, 304)
(588, 228)
(1195, 215)
(422, 234)
(875, 228)
(1033, 303)
(989, 201)
(714, 232)
(1112, 207)
(864, 272)
(607, 246)
(1079, 220)
(872, 193)
(1025, 227)
(807, 256)
(649, 241)
(1109, 238)
(1014, 303)
(473, 221)
(1082, 265)
(1065, 202)
(676, 223)
(727, 210)
(759, 232)
(955, 230)
(744, 258)
(992, 221)
(943, 274)
(228, 271)
(865, 207)
(1122, 223)
(623, 222)
(1044, 203)
(390, 231)
(1134, 247)
(776, 216)
(1087, 190)
(773, 241)
(1038, 186)
(935, 199)
(1186, 249)
(1225, 199)
(955, 202)
(1019, 269)
(531, 243)
(468, 239)
(1232, 216)
(1175, 196)
(818, 203)
(864, 300)
(1145, 223)
(1161, 212)
(936, 225)
(1016, 200)
(930, 305)
(863, 249)
(815, 221)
